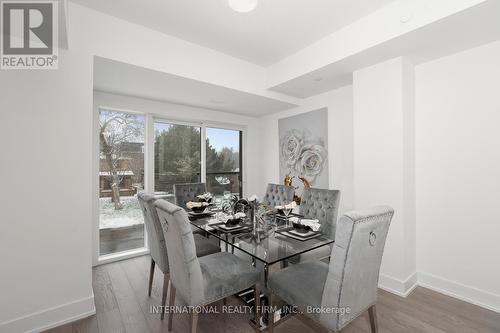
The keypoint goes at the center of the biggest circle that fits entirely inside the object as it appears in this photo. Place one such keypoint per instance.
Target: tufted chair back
(186, 273)
(322, 205)
(354, 269)
(157, 247)
(184, 193)
(277, 195)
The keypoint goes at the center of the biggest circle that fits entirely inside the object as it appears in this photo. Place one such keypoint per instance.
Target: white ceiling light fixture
(243, 6)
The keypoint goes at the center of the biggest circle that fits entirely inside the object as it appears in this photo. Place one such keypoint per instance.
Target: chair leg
(171, 303)
(151, 274)
(257, 307)
(372, 312)
(270, 314)
(166, 280)
(194, 322)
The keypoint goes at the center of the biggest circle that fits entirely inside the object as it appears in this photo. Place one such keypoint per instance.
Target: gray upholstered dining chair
(183, 193)
(157, 246)
(350, 280)
(278, 195)
(200, 281)
(322, 205)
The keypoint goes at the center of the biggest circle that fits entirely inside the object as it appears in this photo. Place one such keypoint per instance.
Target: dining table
(265, 245)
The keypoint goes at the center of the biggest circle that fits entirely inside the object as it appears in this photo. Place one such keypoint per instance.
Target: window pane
(121, 176)
(177, 156)
(223, 161)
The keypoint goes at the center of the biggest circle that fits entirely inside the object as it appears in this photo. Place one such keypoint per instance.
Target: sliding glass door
(137, 151)
(121, 176)
(223, 161)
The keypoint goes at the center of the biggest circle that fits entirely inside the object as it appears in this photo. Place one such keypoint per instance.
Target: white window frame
(149, 139)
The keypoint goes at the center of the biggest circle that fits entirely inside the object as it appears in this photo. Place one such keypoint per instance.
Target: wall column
(384, 161)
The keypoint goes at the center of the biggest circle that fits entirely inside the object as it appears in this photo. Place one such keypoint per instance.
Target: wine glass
(218, 207)
(287, 209)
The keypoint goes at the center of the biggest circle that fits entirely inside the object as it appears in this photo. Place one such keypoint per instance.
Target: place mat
(290, 232)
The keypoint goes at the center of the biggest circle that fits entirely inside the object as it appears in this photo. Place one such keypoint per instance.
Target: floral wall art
(303, 147)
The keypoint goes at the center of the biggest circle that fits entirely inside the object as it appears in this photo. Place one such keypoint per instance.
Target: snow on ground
(131, 213)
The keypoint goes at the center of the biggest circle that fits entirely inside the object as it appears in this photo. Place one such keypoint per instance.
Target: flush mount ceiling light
(243, 6)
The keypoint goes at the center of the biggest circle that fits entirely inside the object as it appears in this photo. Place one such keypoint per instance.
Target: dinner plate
(290, 232)
(223, 227)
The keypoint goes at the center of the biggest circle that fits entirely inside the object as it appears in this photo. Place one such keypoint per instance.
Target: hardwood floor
(122, 305)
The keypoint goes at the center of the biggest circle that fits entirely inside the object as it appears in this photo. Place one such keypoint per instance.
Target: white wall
(46, 131)
(458, 174)
(45, 238)
(339, 104)
(440, 169)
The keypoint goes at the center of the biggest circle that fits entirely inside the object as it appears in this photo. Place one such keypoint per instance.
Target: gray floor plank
(107, 310)
(132, 317)
(87, 325)
(138, 279)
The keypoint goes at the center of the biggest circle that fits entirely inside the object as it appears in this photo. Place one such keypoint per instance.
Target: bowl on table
(198, 209)
(232, 222)
(299, 227)
(204, 198)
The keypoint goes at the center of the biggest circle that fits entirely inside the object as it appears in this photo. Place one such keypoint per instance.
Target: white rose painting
(303, 147)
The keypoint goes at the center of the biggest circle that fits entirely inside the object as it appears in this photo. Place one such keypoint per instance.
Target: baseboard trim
(462, 292)
(396, 286)
(51, 317)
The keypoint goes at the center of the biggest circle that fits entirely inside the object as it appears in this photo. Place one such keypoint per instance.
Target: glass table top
(269, 246)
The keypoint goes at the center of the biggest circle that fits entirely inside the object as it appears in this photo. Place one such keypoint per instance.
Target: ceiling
(275, 30)
(473, 27)
(125, 79)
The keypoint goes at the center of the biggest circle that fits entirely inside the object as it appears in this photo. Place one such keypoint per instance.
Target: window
(121, 176)
(223, 161)
(177, 156)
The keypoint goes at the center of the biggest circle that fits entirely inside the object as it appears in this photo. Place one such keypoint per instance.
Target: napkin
(311, 223)
(253, 198)
(291, 205)
(239, 215)
(205, 196)
(228, 217)
(192, 204)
